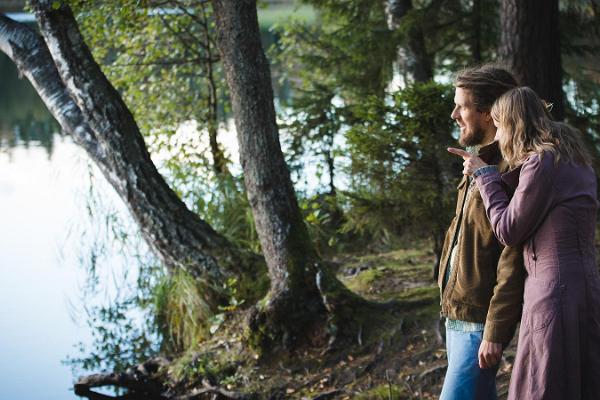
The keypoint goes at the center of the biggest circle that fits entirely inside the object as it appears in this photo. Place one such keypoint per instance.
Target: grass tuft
(183, 310)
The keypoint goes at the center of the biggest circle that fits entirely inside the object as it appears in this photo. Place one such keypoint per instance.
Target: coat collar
(511, 178)
(490, 154)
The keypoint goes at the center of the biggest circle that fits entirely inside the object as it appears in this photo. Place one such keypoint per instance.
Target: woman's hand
(471, 164)
(489, 354)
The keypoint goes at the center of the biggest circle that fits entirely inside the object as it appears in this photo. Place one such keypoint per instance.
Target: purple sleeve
(515, 220)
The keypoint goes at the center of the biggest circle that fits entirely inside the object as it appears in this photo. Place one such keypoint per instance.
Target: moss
(256, 337)
(191, 367)
(218, 360)
(362, 281)
(382, 392)
(420, 293)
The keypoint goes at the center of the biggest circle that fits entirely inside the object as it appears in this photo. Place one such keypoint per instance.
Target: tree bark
(417, 61)
(476, 38)
(88, 108)
(530, 45)
(305, 297)
(293, 300)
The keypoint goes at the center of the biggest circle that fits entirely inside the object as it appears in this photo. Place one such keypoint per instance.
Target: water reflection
(50, 225)
(24, 119)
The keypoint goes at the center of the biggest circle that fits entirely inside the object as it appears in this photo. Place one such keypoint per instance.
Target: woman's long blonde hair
(529, 129)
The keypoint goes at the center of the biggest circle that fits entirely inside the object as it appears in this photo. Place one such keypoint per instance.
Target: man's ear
(487, 115)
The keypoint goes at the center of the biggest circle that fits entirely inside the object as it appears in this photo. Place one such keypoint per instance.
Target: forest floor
(406, 361)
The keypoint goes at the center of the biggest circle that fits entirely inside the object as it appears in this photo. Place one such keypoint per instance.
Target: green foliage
(274, 13)
(183, 313)
(324, 218)
(192, 366)
(160, 59)
(453, 30)
(227, 210)
(401, 172)
(164, 62)
(350, 47)
(580, 45)
(331, 64)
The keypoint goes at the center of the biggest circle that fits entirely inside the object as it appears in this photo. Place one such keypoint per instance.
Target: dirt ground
(407, 361)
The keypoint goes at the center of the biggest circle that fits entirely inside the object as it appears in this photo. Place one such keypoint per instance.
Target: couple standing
(520, 248)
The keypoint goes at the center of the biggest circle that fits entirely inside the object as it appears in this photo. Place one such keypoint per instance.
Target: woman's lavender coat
(553, 214)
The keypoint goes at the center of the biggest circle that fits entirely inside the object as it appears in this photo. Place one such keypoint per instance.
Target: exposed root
(139, 381)
(142, 383)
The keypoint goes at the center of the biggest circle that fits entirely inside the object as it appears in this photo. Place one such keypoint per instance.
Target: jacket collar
(490, 154)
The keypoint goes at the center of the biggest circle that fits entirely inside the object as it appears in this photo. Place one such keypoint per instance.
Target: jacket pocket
(533, 258)
(541, 302)
(542, 319)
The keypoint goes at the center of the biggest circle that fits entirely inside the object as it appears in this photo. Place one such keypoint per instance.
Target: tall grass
(183, 309)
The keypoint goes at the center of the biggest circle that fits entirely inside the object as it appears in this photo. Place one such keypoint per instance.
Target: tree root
(350, 315)
(139, 381)
(142, 383)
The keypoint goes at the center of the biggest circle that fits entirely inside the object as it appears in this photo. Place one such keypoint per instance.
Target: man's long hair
(486, 83)
(528, 129)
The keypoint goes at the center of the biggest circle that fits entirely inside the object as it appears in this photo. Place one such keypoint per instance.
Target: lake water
(46, 234)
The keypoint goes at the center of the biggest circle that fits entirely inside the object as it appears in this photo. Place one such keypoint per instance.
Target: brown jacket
(486, 283)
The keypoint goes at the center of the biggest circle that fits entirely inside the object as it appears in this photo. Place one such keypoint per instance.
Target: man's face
(473, 124)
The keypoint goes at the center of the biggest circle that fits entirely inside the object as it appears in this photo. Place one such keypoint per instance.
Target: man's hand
(471, 164)
(489, 354)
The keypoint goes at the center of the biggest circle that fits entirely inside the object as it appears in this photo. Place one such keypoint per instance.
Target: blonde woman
(547, 203)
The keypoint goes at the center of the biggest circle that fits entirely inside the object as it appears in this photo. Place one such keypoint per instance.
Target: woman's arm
(515, 220)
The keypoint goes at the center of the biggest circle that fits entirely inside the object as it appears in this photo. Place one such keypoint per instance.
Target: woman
(547, 203)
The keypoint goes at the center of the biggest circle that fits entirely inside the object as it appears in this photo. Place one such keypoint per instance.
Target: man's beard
(473, 138)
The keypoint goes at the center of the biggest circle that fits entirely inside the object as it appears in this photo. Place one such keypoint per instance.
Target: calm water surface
(44, 189)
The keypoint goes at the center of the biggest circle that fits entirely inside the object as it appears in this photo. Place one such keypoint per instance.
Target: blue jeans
(464, 379)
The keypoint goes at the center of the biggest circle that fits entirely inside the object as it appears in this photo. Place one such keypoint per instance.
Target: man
(481, 281)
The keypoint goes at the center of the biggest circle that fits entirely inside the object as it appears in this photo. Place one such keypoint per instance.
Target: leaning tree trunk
(413, 56)
(530, 44)
(88, 108)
